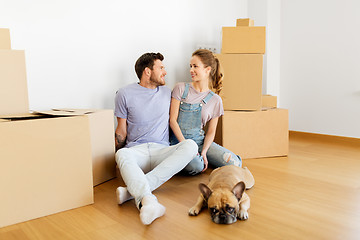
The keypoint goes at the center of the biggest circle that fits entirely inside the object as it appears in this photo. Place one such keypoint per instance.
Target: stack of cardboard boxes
(252, 125)
(49, 161)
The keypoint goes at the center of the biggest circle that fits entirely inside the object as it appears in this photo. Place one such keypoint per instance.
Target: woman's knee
(219, 156)
(230, 158)
(195, 166)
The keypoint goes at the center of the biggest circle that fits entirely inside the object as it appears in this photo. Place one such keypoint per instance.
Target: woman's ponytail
(216, 76)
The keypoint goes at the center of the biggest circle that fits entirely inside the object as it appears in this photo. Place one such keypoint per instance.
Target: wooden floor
(314, 193)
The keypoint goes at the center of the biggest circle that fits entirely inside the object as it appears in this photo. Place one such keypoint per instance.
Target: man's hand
(119, 141)
(120, 133)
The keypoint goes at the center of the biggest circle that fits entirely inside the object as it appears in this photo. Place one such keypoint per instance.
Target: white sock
(151, 209)
(122, 195)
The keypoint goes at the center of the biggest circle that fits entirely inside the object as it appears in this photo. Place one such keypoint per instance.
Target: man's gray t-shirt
(146, 112)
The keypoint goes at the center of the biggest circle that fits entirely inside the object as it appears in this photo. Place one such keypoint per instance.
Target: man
(144, 157)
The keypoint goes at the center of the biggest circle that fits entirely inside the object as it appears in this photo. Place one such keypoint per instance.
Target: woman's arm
(174, 113)
(209, 138)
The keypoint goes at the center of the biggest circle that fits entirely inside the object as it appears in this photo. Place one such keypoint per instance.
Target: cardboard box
(64, 153)
(45, 166)
(13, 84)
(243, 40)
(244, 22)
(5, 38)
(255, 134)
(102, 140)
(268, 101)
(242, 82)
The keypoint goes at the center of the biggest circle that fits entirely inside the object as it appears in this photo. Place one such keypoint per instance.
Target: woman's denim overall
(189, 120)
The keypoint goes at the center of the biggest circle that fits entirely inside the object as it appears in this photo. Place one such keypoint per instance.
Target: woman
(193, 105)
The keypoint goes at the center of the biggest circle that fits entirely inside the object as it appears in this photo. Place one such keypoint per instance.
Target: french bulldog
(225, 195)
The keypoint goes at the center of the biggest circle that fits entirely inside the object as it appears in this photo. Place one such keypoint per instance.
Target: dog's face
(223, 204)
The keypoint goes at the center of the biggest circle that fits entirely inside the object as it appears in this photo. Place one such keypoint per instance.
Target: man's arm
(120, 133)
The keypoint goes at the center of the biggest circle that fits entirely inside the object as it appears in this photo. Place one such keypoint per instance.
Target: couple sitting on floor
(142, 138)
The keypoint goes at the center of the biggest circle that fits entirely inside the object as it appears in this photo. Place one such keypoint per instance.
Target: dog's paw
(243, 215)
(194, 211)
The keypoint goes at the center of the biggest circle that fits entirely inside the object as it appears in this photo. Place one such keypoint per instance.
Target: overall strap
(208, 97)
(186, 91)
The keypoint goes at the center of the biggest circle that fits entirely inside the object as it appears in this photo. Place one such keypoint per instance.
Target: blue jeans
(217, 156)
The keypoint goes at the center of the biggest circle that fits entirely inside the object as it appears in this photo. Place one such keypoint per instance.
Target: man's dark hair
(146, 60)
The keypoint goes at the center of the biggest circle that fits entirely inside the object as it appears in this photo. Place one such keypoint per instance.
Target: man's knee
(121, 156)
(191, 145)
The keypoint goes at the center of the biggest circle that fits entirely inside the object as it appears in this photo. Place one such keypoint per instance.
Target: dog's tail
(249, 178)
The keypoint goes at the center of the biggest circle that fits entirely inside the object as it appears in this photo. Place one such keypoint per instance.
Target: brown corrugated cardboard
(243, 40)
(255, 134)
(268, 101)
(244, 22)
(45, 167)
(5, 38)
(242, 83)
(13, 84)
(102, 140)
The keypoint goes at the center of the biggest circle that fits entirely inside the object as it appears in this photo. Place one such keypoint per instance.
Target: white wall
(78, 53)
(320, 77)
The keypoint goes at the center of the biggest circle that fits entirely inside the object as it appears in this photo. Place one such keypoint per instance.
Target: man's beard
(157, 81)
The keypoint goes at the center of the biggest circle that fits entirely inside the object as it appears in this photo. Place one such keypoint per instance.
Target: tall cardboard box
(5, 38)
(255, 134)
(243, 40)
(13, 84)
(242, 82)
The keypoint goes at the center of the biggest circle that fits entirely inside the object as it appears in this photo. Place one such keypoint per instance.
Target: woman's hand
(203, 154)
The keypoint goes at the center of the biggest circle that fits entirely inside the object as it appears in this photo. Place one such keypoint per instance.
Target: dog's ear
(205, 190)
(238, 190)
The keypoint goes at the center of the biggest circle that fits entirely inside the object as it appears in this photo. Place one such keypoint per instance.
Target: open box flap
(267, 108)
(19, 116)
(66, 112)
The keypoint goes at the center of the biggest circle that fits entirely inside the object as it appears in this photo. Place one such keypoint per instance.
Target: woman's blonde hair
(208, 59)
